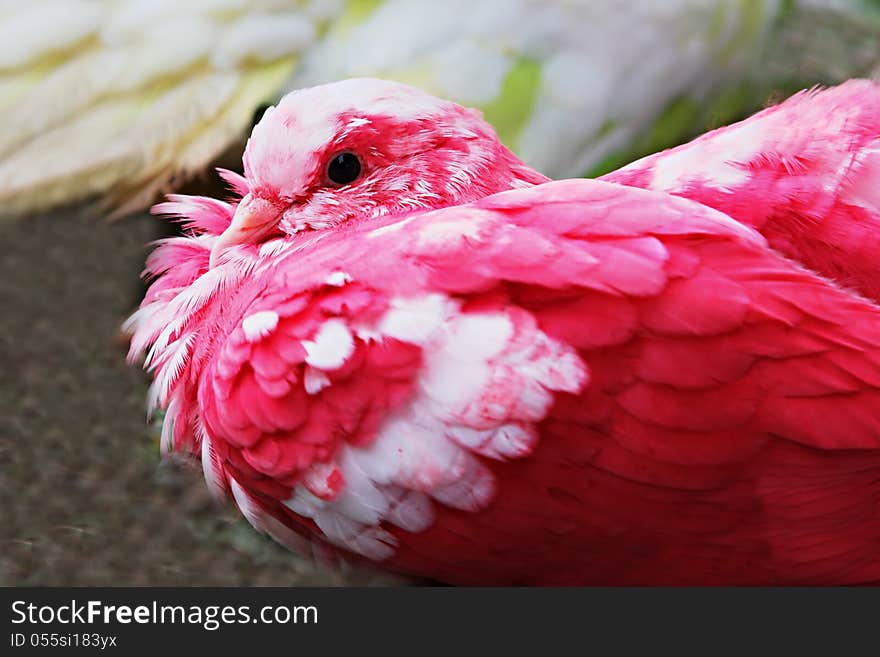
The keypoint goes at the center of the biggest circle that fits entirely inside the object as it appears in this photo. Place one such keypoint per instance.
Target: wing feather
(545, 399)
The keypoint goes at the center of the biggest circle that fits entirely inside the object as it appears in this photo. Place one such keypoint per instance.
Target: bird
(396, 343)
(109, 103)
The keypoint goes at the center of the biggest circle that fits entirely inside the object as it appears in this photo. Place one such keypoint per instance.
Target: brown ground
(85, 497)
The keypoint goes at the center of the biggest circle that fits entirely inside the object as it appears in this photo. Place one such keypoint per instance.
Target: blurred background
(107, 104)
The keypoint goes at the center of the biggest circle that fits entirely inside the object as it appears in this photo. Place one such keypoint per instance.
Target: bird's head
(364, 148)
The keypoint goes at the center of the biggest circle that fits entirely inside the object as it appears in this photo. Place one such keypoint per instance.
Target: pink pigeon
(402, 345)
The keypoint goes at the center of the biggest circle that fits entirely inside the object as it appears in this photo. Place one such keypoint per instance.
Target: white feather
(259, 325)
(331, 347)
(430, 448)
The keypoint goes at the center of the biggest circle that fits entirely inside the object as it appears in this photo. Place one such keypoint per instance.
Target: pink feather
(453, 368)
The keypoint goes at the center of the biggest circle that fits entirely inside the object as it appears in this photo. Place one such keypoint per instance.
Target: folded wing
(489, 393)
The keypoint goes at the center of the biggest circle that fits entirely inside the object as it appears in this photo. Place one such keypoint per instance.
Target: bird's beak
(254, 218)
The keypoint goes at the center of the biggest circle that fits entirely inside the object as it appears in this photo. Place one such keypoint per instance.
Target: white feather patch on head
(309, 118)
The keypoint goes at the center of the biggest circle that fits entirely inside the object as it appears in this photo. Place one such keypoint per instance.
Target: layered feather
(660, 330)
(804, 173)
(575, 382)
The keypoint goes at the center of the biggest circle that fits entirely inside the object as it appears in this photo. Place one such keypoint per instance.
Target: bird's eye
(344, 168)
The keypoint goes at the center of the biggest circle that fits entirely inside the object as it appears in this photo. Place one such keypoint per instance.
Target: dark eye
(344, 168)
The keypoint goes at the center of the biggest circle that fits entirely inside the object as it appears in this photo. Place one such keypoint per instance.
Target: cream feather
(111, 99)
(119, 100)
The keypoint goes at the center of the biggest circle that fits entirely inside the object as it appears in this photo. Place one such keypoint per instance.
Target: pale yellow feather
(112, 99)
